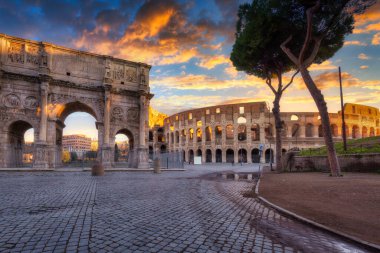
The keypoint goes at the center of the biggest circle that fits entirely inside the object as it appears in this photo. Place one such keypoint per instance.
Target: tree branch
(288, 52)
(309, 31)
(291, 80)
(269, 83)
(314, 53)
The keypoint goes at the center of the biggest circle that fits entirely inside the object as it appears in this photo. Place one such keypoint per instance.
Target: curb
(367, 245)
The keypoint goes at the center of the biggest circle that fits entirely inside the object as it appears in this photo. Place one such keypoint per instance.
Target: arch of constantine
(241, 132)
(41, 84)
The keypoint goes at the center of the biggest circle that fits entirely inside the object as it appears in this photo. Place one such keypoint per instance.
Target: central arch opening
(76, 136)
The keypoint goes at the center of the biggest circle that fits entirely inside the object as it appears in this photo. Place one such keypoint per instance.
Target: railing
(173, 160)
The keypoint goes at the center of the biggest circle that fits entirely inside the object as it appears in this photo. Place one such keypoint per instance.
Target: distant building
(77, 143)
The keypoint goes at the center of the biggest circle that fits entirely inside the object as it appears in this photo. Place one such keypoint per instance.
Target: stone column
(302, 131)
(142, 161)
(41, 151)
(315, 131)
(106, 151)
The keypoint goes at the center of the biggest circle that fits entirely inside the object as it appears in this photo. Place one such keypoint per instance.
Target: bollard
(236, 176)
(249, 177)
(97, 170)
(157, 165)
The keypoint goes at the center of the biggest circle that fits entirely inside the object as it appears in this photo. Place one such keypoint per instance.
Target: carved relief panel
(16, 52)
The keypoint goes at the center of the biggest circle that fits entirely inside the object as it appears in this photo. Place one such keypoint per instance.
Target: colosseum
(245, 133)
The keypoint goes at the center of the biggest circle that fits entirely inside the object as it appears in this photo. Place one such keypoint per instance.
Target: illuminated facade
(77, 143)
(237, 132)
(41, 84)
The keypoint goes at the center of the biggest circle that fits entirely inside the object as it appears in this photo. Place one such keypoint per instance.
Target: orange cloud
(203, 82)
(368, 28)
(210, 62)
(364, 67)
(326, 65)
(363, 56)
(370, 15)
(376, 39)
(354, 43)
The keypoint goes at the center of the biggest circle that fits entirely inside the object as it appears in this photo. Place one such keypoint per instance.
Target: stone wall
(348, 163)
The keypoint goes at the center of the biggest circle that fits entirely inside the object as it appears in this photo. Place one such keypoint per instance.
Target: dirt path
(350, 204)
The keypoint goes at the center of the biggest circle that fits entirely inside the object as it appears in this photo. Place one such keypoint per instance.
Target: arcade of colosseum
(236, 132)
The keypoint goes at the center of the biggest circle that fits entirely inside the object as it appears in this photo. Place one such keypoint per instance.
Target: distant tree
(315, 30)
(66, 156)
(73, 156)
(257, 52)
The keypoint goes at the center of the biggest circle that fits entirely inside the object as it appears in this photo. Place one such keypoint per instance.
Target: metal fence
(172, 160)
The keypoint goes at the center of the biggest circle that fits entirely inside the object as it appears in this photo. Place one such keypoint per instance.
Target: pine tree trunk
(325, 120)
(278, 125)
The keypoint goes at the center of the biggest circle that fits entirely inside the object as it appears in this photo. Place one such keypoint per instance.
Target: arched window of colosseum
(199, 152)
(355, 132)
(208, 133)
(218, 132)
(190, 115)
(378, 132)
(183, 135)
(218, 155)
(199, 135)
(229, 132)
(320, 131)
(296, 129)
(242, 133)
(172, 138)
(241, 120)
(255, 155)
(176, 137)
(191, 134)
(242, 154)
(255, 132)
(208, 156)
(171, 128)
(334, 130)
(294, 117)
(150, 135)
(309, 130)
(167, 137)
(364, 132)
(268, 130)
(191, 156)
(229, 156)
(377, 123)
(372, 132)
(163, 149)
(199, 123)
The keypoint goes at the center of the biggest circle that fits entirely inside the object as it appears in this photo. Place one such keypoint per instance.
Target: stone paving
(145, 212)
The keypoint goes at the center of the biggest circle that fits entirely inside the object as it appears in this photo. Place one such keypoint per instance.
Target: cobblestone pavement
(144, 212)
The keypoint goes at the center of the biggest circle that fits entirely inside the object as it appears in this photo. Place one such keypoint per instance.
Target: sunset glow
(189, 45)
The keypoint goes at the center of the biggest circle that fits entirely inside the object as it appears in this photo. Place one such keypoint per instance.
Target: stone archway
(61, 114)
(16, 143)
(61, 81)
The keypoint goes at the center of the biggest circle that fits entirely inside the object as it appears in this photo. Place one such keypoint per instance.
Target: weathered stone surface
(42, 83)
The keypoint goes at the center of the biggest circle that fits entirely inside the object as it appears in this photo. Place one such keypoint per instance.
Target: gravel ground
(350, 204)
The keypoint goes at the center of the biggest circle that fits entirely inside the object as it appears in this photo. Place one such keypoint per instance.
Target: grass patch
(360, 146)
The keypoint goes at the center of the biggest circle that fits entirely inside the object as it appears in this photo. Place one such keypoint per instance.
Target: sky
(188, 44)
